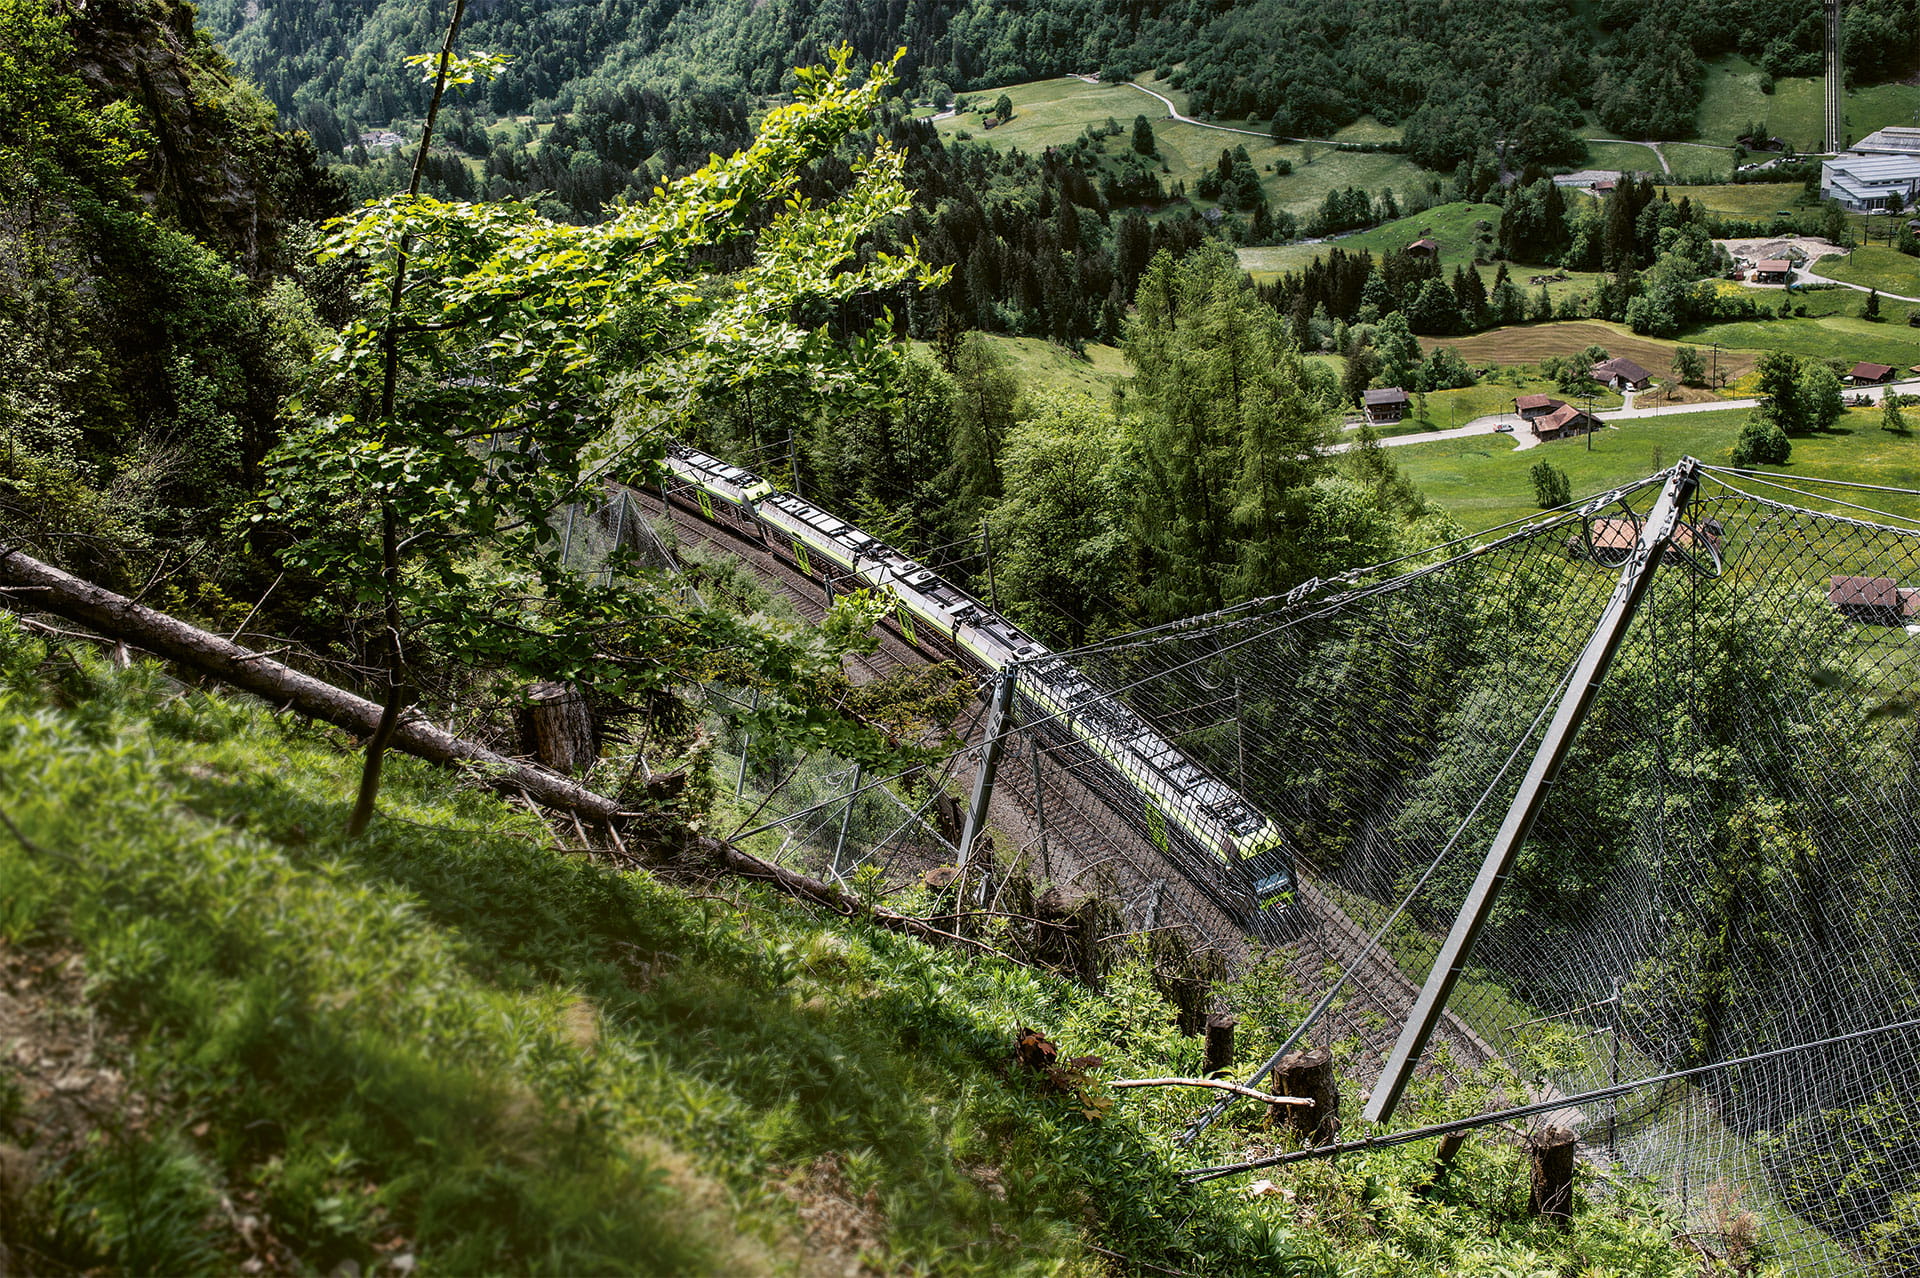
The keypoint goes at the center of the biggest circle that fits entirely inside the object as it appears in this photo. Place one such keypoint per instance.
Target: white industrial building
(1895, 140)
(1865, 182)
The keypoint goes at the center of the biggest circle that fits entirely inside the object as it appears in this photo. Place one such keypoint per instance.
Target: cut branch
(1217, 1084)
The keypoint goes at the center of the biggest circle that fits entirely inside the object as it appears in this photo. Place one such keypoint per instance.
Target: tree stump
(1552, 1155)
(1309, 1074)
(1219, 1051)
(562, 727)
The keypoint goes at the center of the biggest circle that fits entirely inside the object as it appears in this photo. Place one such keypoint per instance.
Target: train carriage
(1197, 821)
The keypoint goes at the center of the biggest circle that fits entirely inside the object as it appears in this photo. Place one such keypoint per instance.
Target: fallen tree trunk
(40, 587)
(29, 585)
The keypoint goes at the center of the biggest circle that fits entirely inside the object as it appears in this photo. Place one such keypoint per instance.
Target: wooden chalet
(1532, 406)
(1611, 540)
(1873, 601)
(1566, 420)
(1384, 406)
(1425, 246)
(1773, 270)
(1621, 373)
(1866, 373)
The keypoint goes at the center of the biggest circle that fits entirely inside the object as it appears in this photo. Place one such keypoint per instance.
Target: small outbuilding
(1873, 601)
(1384, 406)
(1425, 246)
(1773, 270)
(1621, 373)
(1866, 373)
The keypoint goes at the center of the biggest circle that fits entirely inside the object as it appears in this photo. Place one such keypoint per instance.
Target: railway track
(1071, 835)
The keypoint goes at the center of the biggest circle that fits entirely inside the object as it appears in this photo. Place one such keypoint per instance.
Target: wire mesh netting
(1721, 867)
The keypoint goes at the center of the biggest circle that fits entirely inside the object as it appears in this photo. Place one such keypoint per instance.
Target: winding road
(1523, 439)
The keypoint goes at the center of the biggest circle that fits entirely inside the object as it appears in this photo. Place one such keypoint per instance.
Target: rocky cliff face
(217, 165)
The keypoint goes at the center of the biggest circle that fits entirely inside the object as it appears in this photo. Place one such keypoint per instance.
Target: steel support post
(1589, 671)
(999, 719)
(846, 819)
(746, 746)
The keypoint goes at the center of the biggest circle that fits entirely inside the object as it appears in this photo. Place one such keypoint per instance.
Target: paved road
(1522, 438)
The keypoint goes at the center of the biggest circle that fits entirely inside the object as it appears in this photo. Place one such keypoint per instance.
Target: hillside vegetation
(455, 1047)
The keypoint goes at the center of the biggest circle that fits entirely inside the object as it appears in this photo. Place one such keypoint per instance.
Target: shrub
(1762, 443)
(1551, 487)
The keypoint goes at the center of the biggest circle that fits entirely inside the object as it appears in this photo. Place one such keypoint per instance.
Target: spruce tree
(1220, 423)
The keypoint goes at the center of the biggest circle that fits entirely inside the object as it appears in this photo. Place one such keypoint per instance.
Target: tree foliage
(538, 358)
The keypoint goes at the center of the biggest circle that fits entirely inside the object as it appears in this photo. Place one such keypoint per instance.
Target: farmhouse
(1611, 540)
(1622, 373)
(1868, 374)
(1866, 182)
(1425, 246)
(1562, 422)
(1773, 270)
(1873, 601)
(1385, 406)
(1531, 406)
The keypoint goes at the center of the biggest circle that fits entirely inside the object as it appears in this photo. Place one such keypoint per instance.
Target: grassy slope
(1747, 199)
(1831, 329)
(453, 1042)
(1054, 112)
(1485, 482)
(1793, 110)
(1876, 266)
(1451, 224)
(1531, 343)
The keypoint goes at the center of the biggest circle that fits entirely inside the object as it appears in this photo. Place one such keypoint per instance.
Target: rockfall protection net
(1724, 865)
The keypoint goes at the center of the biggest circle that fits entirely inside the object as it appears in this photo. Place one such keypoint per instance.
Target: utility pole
(1590, 421)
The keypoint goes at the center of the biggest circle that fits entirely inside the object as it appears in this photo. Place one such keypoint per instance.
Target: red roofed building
(1425, 246)
(1869, 374)
(1563, 421)
(1774, 270)
(1612, 539)
(1873, 601)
